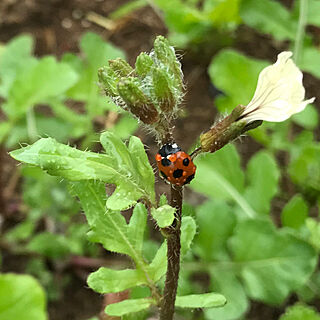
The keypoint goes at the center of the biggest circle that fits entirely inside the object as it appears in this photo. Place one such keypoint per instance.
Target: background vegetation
(255, 202)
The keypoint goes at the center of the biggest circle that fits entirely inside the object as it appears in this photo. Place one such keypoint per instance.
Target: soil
(57, 26)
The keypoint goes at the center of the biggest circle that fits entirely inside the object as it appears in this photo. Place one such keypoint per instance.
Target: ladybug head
(168, 149)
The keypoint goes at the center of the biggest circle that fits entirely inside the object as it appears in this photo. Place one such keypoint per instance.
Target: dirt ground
(57, 26)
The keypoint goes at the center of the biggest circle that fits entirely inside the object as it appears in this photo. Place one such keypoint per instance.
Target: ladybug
(175, 165)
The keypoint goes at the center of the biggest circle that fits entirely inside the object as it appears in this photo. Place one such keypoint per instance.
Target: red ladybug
(175, 165)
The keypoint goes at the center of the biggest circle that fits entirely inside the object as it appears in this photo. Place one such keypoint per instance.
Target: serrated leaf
(271, 252)
(21, 297)
(300, 312)
(107, 280)
(236, 76)
(204, 300)
(45, 79)
(131, 162)
(164, 215)
(128, 169)
(220, 176)
(263, 177)
(188, 231)
(128, 306)
(109, 227)
(294, 213)
(256, 14)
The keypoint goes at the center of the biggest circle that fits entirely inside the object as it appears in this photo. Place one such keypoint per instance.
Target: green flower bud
(166, 54)
(163, 90)
(143, 64)
(224, 132)
(121, 67)
(137, 102)
(108, 80)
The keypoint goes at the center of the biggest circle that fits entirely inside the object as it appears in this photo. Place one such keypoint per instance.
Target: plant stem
(173, 257)
(303, 12)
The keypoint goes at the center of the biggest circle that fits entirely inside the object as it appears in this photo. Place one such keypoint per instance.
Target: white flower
(279, 94)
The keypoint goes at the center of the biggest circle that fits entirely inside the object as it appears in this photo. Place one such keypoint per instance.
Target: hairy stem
(173, 257)
(303, 12)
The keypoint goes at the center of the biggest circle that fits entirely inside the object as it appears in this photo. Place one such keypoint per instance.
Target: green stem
(31, 125)
(303, 12)
(173, 257)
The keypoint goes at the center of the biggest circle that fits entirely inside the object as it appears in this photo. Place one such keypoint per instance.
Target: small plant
(152, 92)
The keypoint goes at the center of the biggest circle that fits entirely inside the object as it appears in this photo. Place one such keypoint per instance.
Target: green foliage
(220, 176)
(27, 81)
(271, 251)
(257, 15)
(126, 167)
(206, 300)
(164, 215)
(294, 213)
(128, 306)
(300, 311)
(21, 297)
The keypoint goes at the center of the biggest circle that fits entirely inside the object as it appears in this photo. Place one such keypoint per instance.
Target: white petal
(279, 93)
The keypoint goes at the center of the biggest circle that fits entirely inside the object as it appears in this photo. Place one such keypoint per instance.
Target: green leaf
(21, 297)
(294, 213)
(188, 231)
(51, 245)
(164, 215)
(308, 118)
(128, 168)
(220, 176)
(304, 168)
(299, 312)
(128, 306)
(276, 264)
(110, 227)
(204, 300)
(4, 130)
(279, 24)
(263, 177)
(132, 163)
(236, 76)
(106, 280)
(313, 227)
(15, 58)
(310, 60)
(216, 222)
(96, 53)
(45, 79)
(225, 281)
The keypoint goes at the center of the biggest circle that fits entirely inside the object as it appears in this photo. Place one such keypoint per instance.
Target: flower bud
(107, 78)
(166, 54)
(143, 64)
(162, 89)
(121, 67)
(137, 102)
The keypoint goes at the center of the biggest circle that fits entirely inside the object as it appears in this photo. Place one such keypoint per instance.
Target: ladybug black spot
(189, 179)
(185, 162)
(165, 162)
(177, 173)
(163, 175)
